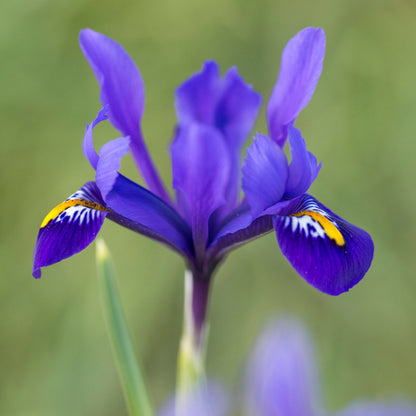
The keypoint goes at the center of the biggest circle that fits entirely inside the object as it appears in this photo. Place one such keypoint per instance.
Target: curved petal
(109, 164)
(196, 98)
(228, 104)
(122, 92)
(69, 227)
(200, 168)
(135, 207)
(88, 143)
(386, 408)
(329, 253)
(235, 116)
(237, 108)
(303, 168)
(122, 87)
(282, 378)
(140, 210)
(300, 69)
(265, 173)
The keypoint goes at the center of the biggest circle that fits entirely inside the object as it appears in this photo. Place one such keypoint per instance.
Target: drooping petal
(385, 408)
(122, 92)
(200, 167)
(303, 168)
(140, 210)
(237, 232)
(135, 207)
(88, 143)
(328, 252)
(282, 376)
(204, 399)
(69, 227)
(109, 164)
(300, 69)
(265, 173)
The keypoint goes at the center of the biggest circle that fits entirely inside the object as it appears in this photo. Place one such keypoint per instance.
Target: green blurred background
(55, 357)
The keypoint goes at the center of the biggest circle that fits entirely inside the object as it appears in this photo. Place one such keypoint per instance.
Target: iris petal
(200, 168)
(282, 378)
(88, 143)
(109, 164)
(303, 168)
(300, 69)
(328, 252)
(140, 210)
(122, 92)
(228, 104)
(122, 87)
(265, 173)
(69, 228)
(196, 98)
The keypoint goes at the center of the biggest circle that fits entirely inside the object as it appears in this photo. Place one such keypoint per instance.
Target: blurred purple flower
(282, 380)
(207, 219)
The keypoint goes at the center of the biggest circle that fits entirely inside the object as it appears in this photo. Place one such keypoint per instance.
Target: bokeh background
(55, 357)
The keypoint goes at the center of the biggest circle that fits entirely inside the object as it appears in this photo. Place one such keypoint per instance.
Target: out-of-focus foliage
(55, 356)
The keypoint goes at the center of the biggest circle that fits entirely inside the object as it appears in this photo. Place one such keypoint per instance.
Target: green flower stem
(128, 367)
(191, 355)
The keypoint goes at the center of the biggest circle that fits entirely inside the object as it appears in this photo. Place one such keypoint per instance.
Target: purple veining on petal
(69, 228)
(328, 252)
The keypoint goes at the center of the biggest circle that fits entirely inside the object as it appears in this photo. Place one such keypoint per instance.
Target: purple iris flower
(281, 379)
(207, 217)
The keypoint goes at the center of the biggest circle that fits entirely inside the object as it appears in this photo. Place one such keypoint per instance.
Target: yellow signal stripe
(330, 229)
(71, 203)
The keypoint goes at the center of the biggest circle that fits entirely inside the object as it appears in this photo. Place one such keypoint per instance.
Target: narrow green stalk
(191, 355)
(129, 371)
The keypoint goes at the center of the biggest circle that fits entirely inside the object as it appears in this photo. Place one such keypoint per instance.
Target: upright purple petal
(200, 168)
(228, 104)
(265, 173)
(197, 97)
(384, 408)
(303, 168)
(69, 227)
(300, 69)
(237, 109)
(328, 252)
(235, 116)
(122, 87)
(122, 92)
(281, 378)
